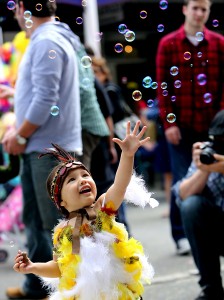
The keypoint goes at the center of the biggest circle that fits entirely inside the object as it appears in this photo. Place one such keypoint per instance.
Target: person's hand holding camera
(198, 153)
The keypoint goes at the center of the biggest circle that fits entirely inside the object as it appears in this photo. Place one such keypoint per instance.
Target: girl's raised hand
(132, 141)
(22, 263)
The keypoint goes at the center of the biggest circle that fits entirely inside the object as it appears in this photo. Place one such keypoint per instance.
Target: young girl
(93, 257)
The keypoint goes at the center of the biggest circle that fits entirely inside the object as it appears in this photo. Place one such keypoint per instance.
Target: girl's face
(78, 190)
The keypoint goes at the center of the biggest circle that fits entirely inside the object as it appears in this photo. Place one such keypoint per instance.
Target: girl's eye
(86, 175)
(71, 179)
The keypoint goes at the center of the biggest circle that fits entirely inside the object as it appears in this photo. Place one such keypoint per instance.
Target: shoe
(206, 294)
(183, 247)
(17, 293)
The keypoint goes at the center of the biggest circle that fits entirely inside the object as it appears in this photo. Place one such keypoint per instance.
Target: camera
(209, 149)
(206, 156)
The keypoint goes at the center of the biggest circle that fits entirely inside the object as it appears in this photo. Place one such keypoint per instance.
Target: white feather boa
(99, 271)
(138, 194)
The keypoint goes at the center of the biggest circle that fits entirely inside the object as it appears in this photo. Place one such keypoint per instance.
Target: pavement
(173, 278)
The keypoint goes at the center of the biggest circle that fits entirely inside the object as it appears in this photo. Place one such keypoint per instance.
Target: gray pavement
(172, 280)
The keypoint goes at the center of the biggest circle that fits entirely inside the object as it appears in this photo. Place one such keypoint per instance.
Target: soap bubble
(215, 23)
(165, 93)
(122, 28)
(29, 24)
(199, 54)
(118, 48)
(129, 36)
(150, 103)
(171, 118)
(137, 95)
(38, 6)
(143, 14)
(86, 61)
(199, 36)
(163, 85)
(173, 98)
(207, 97)
(163, 4)
(79, 20)
(27, 15)
(52, 54)
(146, 82)
(154, 85)
(54, 110)
(11, 5)
(160, 28)
(177, 84)
(202, 79)
(174, 71)
(187, 55)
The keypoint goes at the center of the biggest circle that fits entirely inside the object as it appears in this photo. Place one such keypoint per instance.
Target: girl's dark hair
(40, 8)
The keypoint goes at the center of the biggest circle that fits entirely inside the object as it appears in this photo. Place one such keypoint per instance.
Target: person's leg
(90, 141)
(203, 223)
(180, 157)
(39, 216)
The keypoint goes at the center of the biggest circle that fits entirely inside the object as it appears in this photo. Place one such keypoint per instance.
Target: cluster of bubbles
(54, 110)
(28, 21)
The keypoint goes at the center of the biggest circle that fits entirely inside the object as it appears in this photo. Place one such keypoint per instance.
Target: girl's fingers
(128, 128)
(142, 132)
(145, 140)
(136, 128)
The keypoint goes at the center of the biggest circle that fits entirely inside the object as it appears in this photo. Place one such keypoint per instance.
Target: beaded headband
(57, 176)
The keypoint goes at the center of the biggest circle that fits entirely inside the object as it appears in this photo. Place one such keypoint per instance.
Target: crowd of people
(59, 101)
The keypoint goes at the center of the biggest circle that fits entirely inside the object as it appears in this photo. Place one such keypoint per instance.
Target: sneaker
(183, 247)
(17, 293)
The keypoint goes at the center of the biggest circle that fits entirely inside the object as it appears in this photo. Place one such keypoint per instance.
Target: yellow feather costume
(110, 266)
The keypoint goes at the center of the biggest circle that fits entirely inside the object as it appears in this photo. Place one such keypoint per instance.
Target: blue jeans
(180, 157)
(39, 215)
(203, 223)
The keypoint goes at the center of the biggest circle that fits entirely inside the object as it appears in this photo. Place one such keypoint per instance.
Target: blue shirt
(45, 81)
(214, 188)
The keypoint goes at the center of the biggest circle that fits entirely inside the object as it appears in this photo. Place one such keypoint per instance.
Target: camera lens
(206, 156)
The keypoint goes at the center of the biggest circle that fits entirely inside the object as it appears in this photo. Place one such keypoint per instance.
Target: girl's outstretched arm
(129, 146)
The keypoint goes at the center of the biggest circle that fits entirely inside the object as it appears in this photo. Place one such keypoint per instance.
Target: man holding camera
(200, 195)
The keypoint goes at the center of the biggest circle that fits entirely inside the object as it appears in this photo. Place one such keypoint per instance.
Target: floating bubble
(160, 28)
(11, 244)
(79, 20)
(174, 70)
(187, 55)
(154, 85)
(163, 4)
(177, 84)
(57, 19)
(86, 61)
(146, 82)
(207, 98)
(84, 3)
(137, 95)
(191, 65)
(215, 23)
(52, 54)
(54, 110)
(202, 79)
(199, 54)
(27, 15)
(163, 85)
(199, 36)
(86, 82)
(143, 14)
(38, 6)
(150, 103)
(11, 5)
(129, 36)
(118, 48)
(122, 28)
(173, 98)
(165, 93)
(124, 79)
(29, 24)
(171, 118)
(98, 36)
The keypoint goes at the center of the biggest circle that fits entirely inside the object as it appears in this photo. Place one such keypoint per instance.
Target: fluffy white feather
(138, 194)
